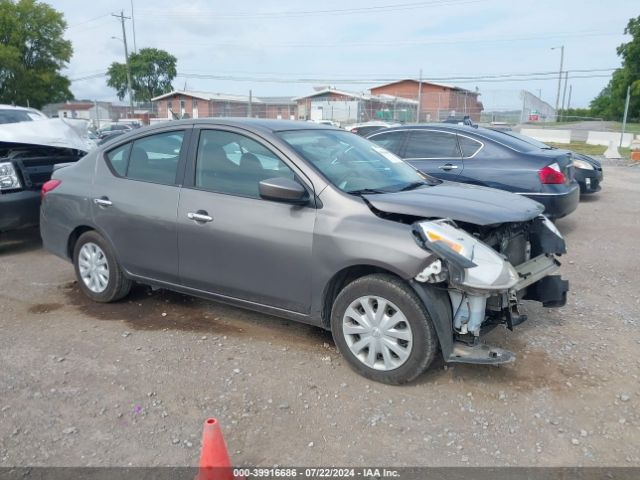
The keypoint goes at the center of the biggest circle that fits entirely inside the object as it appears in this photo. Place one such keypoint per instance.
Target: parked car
(113, 128)
(480, 156)
(14, 114)
(465, 120)
(29, 152)
(366, 128)
(588, 170)
(308, 223)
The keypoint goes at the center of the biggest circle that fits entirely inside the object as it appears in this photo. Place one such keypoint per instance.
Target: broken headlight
(472, 264)
(8, 177)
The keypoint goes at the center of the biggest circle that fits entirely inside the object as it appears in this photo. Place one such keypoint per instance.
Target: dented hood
(458, 201)
(56, 132)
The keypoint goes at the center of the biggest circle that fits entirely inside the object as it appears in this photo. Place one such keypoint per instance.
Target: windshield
(351, 163)
(14, 116)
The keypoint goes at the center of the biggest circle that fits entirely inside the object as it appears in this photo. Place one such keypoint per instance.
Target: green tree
(32, 54)
(609, 103)
(152, 71)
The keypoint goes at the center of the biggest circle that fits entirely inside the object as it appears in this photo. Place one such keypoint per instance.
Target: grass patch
(629, 128)
(583, 147)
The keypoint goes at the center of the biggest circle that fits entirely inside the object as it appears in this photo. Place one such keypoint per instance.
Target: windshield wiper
(366, 191)
(411, 186)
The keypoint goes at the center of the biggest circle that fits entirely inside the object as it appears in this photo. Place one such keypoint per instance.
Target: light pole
(559, 77)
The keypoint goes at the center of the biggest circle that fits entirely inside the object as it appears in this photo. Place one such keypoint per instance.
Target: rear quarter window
(119, 159)
(469, 146)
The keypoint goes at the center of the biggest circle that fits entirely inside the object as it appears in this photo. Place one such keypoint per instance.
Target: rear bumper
(589, 180)
(19, 210)
(558, 205)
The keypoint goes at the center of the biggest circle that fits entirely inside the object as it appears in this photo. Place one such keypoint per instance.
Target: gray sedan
(309, 223)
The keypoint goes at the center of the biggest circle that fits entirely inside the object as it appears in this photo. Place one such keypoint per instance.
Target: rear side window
(469, 146)
(432, 144)
(150, 159)
(391, 141)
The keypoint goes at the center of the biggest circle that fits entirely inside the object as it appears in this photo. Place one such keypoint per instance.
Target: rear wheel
(98, 273)
(383, 330)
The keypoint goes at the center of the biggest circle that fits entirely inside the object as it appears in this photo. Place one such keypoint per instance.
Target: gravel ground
(131, 383)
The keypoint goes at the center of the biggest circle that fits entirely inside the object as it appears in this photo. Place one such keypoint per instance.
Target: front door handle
(103, 202)
(448, 166)
(200, 216)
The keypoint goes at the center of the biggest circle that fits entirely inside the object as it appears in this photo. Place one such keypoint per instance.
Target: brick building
(437, 101)
(189, 104)
(351, 107)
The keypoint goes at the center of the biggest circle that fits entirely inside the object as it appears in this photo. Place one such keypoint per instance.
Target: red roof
(76, 106)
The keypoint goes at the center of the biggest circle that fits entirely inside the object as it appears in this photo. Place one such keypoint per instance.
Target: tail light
(551, 175)
(48, 186)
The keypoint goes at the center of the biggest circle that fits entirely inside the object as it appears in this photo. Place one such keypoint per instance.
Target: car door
(435, 152)
(234, 243)
(136, 193)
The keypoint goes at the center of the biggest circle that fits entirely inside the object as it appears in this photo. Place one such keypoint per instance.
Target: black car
(588, 170)
(481, 156)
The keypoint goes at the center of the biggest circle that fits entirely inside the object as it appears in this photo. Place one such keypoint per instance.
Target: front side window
(234, 164)
(352, 163)
(431, 144)
(149, 159)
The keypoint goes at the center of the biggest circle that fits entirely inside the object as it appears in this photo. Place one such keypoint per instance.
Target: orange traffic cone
(214, 459)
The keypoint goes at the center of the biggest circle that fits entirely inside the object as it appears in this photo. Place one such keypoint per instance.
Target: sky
(287, 47)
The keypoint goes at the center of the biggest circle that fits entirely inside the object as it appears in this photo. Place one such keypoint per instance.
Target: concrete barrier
(548, 135)
(603, 138)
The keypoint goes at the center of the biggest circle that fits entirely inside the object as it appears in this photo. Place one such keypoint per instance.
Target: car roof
(268, 125)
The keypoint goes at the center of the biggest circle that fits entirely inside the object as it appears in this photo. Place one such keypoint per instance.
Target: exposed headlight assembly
(473, 265)
(582, 164)
(8, 177)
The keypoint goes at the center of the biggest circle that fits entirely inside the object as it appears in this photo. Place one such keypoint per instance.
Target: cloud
(443, 38)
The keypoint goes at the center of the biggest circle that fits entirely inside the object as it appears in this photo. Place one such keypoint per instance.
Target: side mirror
(283, 189)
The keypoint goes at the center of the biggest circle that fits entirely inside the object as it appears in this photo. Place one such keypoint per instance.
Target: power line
(84, 22)
(331, 78)
(306, 13)
(405, 43)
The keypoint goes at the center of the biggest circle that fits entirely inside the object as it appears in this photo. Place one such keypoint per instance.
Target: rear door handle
(103, 202)
(448, 166)
(200, 216)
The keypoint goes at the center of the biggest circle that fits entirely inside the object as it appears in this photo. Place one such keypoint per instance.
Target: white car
(13, 114)
(364, 129)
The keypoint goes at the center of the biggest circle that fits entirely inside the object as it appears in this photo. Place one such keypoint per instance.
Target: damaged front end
(487, 271)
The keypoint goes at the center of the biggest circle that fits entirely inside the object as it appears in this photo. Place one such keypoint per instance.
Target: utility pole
(133, 25)
(249, 105)
(419, 98)
(569, 99)
(559, 77)
(126, 57)
(564, 93)
(626, 110)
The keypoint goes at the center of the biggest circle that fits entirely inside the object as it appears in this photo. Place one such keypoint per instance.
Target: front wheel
(97, 270)
(383, 330)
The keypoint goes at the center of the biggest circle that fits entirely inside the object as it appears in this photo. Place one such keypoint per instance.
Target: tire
(415, 323)
(116, 286)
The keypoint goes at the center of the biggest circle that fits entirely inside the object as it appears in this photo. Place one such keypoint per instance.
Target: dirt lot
(131, 383)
